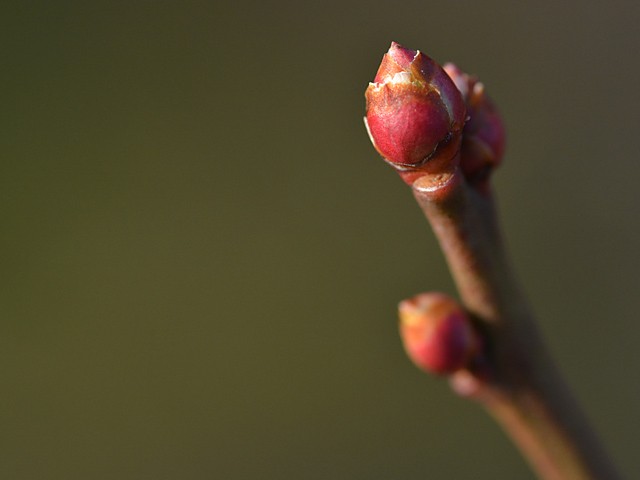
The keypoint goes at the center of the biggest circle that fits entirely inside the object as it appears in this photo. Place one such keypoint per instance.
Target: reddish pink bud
(437, 334)
(483, 137)
(415, 113)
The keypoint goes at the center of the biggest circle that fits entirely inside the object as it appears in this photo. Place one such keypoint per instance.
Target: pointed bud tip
(401, 55)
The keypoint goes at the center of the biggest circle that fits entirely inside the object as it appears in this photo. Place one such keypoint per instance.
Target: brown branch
(443, 134)
(517, 382)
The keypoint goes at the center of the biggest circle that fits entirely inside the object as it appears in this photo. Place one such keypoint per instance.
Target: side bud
(415, 113)
(483, 137)
(437, 333)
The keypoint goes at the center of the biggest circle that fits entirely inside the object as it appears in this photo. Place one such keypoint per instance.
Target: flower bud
(437, 333)
(483, 137)
(415, 113)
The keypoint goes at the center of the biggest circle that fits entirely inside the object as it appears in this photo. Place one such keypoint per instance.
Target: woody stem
(518, 384)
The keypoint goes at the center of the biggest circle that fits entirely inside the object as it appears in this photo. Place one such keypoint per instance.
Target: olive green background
(202, 253)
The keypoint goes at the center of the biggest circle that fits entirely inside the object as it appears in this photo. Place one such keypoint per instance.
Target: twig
(518, 384)
(444, 136)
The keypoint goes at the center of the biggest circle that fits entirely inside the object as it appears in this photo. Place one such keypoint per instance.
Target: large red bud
(415, 113)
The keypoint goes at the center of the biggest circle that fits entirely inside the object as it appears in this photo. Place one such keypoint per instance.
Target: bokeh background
(202, 253)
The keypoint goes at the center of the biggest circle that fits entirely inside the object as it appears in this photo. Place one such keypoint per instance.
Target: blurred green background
(202, 253)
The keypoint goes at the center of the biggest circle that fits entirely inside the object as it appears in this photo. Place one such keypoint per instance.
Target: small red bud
(415, 113)
(483, 137)
(437, 333)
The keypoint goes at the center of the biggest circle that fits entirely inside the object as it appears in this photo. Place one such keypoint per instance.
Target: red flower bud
(415, 113)
(437, 334)
(483, 137)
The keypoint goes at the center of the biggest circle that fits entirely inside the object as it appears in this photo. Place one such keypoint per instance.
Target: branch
(513, 377)
(490, 348)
